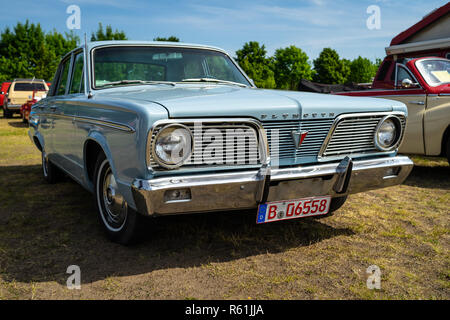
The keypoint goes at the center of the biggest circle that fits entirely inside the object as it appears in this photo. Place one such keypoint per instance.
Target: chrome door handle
(421, 103)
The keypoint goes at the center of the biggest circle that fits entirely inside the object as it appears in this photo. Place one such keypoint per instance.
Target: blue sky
(308, 24)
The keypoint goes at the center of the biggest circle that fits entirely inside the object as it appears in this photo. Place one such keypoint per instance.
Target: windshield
(435, 72)
(128, 65)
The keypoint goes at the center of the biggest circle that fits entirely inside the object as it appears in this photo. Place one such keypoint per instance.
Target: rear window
(384, 70)
(24, 86)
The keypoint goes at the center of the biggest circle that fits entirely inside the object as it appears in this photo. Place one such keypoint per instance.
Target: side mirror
(407, 83)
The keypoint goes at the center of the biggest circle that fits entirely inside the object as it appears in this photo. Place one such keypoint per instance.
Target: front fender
(122, 177)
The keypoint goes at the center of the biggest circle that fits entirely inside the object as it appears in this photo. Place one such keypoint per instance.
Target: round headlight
(388, 132)
(172, 145)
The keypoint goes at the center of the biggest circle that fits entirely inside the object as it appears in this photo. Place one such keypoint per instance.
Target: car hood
(186, 101)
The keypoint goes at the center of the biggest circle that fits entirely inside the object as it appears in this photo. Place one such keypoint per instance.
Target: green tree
(252, 59)
(26, 51)
(108, 34)
(290, 66)
(330, 69)
(170, 39)
(362, 70)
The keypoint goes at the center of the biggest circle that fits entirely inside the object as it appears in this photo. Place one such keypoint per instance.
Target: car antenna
(85, 67)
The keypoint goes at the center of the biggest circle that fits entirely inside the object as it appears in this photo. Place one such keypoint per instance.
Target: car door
(75, 95)
(47, 110)
(408, 90)
(62, 113)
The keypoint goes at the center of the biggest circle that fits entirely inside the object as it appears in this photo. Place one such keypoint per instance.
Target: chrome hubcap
(115, 205)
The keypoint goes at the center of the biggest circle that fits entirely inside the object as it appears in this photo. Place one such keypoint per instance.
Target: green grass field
(45, 228)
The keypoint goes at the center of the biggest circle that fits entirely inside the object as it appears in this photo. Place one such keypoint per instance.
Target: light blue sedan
(157, 128)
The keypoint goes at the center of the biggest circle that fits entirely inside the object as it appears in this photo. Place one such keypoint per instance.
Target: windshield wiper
(214, 81)
(115, 83)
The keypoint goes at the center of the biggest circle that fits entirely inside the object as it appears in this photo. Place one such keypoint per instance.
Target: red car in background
(3, 90)
(422, 84)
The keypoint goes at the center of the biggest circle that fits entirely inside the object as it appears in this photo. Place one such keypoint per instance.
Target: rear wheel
(52, 173)
(120, 222)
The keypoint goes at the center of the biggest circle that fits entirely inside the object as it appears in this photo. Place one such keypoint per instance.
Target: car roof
(28, 80)
(96, 44)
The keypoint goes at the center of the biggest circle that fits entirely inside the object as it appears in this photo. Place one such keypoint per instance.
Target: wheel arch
(95, 144)
(445, 137)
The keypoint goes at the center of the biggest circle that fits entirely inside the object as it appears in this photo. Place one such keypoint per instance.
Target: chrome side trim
(351, 115)
(105, 123)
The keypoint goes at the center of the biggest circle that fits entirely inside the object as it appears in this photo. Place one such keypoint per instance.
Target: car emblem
(298, 137)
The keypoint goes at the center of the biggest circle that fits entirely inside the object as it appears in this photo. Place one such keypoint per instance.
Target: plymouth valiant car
(155, 128)
(423, 84)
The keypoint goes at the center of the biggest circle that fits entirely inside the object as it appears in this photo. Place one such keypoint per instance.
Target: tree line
(27, 51)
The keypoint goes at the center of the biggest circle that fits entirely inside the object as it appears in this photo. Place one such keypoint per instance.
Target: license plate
(291, 209)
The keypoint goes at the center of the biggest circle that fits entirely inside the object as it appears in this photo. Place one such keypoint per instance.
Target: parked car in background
(3, 90)
(19, 92)
(160, 128)
(25, 109)
(423, 84)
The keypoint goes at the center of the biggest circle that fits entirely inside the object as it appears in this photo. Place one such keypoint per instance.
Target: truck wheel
(52, 173)
(335, 204)
(120, 222)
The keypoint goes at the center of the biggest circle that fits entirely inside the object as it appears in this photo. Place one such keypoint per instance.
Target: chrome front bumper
(246, 189)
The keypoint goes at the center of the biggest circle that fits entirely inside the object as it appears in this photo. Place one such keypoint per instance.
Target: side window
(403, 74)
(62, 81)
(77, 84)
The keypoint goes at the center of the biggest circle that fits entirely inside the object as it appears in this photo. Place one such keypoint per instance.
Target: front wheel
(120, 222)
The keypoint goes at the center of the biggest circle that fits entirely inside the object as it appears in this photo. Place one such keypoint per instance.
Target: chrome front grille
(317, 131)
(219, 144)
(354, 135)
